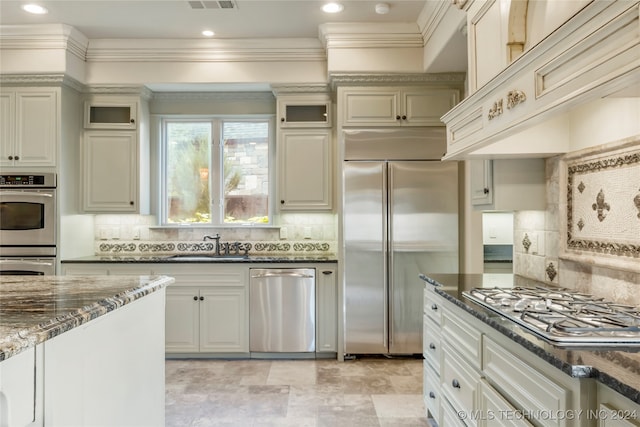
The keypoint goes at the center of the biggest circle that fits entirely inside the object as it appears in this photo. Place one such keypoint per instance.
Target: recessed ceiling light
(208, 33)
(332, 8)
(382, 8)
(35, 9)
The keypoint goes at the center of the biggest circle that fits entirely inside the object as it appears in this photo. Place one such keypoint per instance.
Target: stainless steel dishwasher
(283, 310)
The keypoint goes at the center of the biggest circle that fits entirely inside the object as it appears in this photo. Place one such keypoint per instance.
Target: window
(216, 171)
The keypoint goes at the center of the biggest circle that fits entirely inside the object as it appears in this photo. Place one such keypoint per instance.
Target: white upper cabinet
(115, 155)
(110, 167)
(29, 127)
(395, 106)
(106, 113)
(309, 110)
(304, 169)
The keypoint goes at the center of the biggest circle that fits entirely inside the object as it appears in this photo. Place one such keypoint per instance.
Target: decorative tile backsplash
(608, 265)
(254, 248)
(602, 219)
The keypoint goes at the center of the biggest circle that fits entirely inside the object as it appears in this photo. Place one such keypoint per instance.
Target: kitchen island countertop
(37, 308)
(615, 367)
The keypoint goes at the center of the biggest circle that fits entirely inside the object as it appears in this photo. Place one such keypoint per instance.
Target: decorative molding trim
(285, 88)
(370, 35)
(41, 80)
(169, 247)
(134, 90)
(212, 96)
(515, 97)
(348, 79)
(44, 36)
(250, 50)
(428, 20)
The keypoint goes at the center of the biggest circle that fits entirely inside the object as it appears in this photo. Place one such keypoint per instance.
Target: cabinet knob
(486, 190)
(404, 117)
(195, 298)
(282, 119)
(432, 395)
(282, 202)
(201, 298)
(131, 203)
(434, 307)
(132, 121)
(432, 346)
(10, 157)
(455, 383)
(397, 117)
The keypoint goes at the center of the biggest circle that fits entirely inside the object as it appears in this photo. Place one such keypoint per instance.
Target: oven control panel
(24, 180)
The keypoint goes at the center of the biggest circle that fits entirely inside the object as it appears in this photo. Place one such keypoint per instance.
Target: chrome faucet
(217, 239)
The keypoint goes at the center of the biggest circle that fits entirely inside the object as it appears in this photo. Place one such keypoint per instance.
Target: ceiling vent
(220, 4)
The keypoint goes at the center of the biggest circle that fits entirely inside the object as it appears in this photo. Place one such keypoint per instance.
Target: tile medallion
(603, 202)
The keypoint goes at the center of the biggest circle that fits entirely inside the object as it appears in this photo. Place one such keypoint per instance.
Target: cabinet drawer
(431, 306)
(459, 380)
(432, 343)
(462, 336)
(431, 389)
(450, 417)
(496, 410)
(525, 387)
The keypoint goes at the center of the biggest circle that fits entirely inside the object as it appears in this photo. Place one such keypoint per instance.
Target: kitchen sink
(188, 257)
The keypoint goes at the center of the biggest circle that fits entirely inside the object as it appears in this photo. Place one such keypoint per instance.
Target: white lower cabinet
(485, 379)
(327, 309)
(495, 410)
(207, 309)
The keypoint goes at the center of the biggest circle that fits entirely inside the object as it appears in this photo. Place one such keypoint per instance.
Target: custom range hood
(587, 67)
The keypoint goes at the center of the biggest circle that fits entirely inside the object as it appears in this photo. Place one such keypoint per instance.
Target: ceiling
(178, 19)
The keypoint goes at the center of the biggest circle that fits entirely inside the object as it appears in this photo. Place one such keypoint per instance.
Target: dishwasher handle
(282, 274)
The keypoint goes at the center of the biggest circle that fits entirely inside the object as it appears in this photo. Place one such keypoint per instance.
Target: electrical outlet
(115, 233)
(283, 233)
(307, 232)
(136, 233)
(534, 243)
(103, 233)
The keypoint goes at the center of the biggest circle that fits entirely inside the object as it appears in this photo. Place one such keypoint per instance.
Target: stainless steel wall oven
(27, 223)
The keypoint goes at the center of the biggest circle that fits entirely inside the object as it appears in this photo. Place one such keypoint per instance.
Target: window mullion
(216, 175)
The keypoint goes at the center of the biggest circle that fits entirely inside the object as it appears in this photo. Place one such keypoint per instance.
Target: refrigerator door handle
(386, 184)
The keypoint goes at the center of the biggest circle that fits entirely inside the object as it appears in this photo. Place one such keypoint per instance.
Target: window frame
(216, 180)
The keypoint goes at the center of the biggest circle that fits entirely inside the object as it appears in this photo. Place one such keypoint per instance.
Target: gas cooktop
(563, 316)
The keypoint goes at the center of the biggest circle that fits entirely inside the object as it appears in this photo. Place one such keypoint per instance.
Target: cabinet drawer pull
(432, 346)
(327, 272)
(434, 307)
(455, 383)
(132, 121)
(432, 395)
(486, 190)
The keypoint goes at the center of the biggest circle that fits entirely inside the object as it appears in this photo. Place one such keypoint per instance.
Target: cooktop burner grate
(563, 316)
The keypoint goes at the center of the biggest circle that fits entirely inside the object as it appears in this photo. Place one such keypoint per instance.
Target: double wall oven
(28, 224)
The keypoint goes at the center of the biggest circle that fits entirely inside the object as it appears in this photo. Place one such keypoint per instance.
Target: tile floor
(365, 392)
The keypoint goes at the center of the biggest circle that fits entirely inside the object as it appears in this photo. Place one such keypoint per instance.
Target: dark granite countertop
(615, 367)
(34, 309)
(167, 258)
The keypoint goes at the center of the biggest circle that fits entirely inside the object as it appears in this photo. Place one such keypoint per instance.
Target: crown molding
(287, 89)
(370, 35)
(134, 90)
(41, 80)
(46, 36)
(212, 96)
(348, 79)
(430, 17)
(168, 50)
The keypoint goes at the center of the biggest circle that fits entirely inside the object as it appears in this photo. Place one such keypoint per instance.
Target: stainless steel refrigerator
(400, 219)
